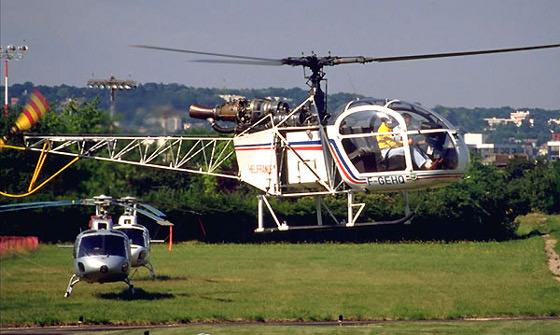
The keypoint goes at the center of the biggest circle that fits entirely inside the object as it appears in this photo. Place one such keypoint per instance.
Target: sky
(72, 41)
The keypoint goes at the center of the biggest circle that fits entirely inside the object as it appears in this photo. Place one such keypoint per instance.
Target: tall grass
(214, 282)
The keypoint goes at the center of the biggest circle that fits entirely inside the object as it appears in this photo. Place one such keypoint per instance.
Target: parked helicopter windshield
(102, 245)
(136, 236)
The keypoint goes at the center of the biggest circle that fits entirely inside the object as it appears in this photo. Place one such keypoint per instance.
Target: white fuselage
(423, 151)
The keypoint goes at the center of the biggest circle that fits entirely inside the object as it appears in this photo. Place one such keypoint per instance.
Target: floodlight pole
(7, 53)
(112, 98)
(6, 88)
(113, 84)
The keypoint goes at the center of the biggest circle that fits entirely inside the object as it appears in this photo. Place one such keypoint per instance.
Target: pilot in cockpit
(391, 145)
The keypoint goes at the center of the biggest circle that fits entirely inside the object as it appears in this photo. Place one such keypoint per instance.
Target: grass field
(539, 224)
(266, 282)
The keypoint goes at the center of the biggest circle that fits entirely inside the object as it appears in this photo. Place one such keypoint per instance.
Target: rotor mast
(317, 75)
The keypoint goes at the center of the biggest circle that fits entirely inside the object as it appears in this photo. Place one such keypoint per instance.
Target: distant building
(169, 124)
(517, 118)
(550, 122)
(553, 150)
(498, 154)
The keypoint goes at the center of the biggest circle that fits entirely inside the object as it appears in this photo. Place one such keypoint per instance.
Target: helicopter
(371, 145)
(106, 252)
(138, 235)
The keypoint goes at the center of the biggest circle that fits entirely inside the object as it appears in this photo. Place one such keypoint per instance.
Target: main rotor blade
(152, 209)
(37, 205)
(242, 62)
(158, 219)
(202, 53)
(318, 62)
(443, 55)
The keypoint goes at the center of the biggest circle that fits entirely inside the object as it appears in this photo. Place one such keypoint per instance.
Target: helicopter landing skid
(150, 268)
(73, 281)
(130, 286)
(402, 220)
(353, 212)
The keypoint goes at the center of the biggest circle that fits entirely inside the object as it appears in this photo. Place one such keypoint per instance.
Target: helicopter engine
(245, 113)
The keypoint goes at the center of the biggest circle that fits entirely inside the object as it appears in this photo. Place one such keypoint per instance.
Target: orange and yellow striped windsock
(34, 110)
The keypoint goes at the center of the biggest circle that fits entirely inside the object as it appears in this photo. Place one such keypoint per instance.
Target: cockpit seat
(392, 163)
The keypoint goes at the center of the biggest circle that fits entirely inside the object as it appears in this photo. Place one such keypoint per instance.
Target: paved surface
(65, 330)
(553, 258)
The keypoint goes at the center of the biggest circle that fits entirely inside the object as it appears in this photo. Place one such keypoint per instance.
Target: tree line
(151, 100)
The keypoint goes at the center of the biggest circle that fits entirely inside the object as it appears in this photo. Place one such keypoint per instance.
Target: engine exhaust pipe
(202, 112)
(225, 112)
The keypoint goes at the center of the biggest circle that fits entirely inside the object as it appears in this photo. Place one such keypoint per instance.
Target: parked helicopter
(375, 145)
(138, 235)
(105, 252)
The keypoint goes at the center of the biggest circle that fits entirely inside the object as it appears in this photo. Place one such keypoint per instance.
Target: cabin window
(365, 137)
(436, 146)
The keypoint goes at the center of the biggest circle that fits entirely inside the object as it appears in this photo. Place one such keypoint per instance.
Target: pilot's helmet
(386, 119)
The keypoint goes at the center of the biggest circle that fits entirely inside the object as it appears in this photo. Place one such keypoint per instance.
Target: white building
(517, 118)
(553, 150)
(492, 153)
(553, 121)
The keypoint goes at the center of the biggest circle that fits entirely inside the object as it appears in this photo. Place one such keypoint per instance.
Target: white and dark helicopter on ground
(284, 151)
(106, 252)
(138, 235)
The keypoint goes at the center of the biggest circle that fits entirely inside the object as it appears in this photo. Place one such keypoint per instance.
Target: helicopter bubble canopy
(374, 137)
(421, 116)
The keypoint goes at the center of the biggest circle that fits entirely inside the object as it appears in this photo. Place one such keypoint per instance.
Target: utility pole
(8, 53)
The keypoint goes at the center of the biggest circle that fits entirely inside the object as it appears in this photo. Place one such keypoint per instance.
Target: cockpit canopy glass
(366, 121)
(93, 245)
(377, 139)
(420, 118)
(136, 236)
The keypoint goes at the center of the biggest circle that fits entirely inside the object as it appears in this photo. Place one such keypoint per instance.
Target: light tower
(8, 53)
(114, 85)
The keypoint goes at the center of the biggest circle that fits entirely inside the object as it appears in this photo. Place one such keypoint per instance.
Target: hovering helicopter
(376, 145)
(105, 252)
